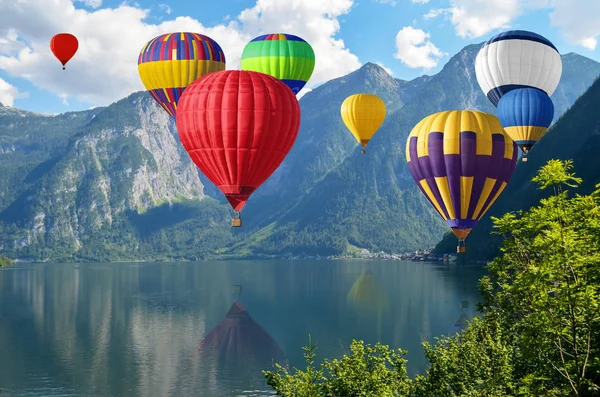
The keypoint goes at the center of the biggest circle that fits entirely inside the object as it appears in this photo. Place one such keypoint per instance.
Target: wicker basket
(236, 222)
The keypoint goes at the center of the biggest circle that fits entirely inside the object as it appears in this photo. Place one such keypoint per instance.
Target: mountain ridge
(114, 183)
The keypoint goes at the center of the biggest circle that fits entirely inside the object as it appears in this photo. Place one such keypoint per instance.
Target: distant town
(426, 255)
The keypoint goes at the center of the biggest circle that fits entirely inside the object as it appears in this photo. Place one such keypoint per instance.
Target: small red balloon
(238, 126)
(64, 46)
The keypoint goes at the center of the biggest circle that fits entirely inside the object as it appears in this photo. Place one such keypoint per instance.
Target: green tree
(5, 261)
(545, 287)
(367, 371)
(476, 363)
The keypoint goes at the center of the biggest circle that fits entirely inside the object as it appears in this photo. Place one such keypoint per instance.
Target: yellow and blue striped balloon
(525, 114)
(461, 161)
(170, 62)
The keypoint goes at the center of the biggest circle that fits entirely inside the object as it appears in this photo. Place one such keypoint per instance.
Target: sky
(408, 38)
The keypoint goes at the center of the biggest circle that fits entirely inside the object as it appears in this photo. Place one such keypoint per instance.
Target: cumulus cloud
(9, 93)
(91, 3)
(388, 70)
(475, 18)
(420, 1)
(578, 21)
(415, 49)
(105, 67)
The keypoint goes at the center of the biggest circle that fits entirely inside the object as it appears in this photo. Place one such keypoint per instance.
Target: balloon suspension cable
(461, 248)
(238, 293)
(525, 153)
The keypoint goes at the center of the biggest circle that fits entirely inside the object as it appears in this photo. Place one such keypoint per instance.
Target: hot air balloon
(167, 64)
(284, 56)
(363, 115)
(238, 126)
(517, 59)
(238, 340)
(461, 161)
(64, 46)
(525, 114)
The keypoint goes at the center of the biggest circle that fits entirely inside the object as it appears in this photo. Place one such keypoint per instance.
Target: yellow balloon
(363, 115)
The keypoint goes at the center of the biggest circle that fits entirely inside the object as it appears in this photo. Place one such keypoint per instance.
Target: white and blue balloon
(518, 71)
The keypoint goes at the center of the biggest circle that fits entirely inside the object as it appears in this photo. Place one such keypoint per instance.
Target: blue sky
(106, 70)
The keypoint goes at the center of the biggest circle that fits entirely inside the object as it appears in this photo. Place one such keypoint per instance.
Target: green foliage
(546, 286)
(366, 371)
(5, 261)
(476, 363)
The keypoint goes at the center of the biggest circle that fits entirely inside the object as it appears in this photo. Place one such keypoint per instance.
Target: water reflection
(130, 329)
(369, 299)
(461, 321)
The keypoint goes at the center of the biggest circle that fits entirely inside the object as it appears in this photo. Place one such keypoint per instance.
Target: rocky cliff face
(122, 158)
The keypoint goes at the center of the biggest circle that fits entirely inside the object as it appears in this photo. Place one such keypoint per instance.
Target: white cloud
(390, 2)
(165, 8)
(91, 3)
(475, 18)
(420, 1)
(9, 93)
(388, 70)
(434, 13)
(578, 21)
(415, 49)
(105, 67)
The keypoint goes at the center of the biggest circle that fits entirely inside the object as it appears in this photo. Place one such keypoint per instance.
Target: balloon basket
(236, 222)
(461, 249)
(524, 159)
(363, 151)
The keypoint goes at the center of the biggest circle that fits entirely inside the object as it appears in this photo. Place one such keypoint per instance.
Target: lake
(130, 329)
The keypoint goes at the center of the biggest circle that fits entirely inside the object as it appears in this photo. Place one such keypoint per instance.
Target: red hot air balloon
(238, 126)
(64, 46)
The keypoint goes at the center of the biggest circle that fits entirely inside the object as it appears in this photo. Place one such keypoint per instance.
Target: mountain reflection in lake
(176, 329)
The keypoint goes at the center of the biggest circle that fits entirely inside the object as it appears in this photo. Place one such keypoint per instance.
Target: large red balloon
(237, 127)
(64, 46)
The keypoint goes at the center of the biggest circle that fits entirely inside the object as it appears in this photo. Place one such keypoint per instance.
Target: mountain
(370, 201)
(114, 183)
(576, 136)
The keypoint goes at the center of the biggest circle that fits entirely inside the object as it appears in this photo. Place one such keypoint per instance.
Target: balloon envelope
(167, 64)
(64, 46)
(517, 59)
(525, 114)
(461, 161)
(237, 127)
(284, 56)
(363, 114)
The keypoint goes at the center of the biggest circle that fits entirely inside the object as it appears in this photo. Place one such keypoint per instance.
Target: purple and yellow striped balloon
(461, 160)
(167, 64)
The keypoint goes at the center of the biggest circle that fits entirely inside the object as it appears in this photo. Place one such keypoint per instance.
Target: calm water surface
(135, 329)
